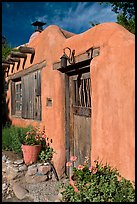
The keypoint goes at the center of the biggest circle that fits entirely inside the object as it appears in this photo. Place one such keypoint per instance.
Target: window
(26, 96)
(18, 97)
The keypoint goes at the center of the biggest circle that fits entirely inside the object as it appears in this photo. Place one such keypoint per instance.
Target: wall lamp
(65, 58)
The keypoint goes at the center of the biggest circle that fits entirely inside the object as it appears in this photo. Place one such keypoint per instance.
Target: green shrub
(46, 154)
(98, 184)
(13, 137)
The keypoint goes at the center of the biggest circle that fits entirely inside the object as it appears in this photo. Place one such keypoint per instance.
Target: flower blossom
(44, 136)
(90, 168)
(73, 158)
(68, 164)
(36, 137)
(80, 167)
(94, 171)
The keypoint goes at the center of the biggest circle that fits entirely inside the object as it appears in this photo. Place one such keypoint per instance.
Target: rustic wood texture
(28, 70)
(82, 143)
(80, 116)
(31, 96)
(12, 97)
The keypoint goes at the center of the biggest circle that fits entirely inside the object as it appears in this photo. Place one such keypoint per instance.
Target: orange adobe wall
(112, 88)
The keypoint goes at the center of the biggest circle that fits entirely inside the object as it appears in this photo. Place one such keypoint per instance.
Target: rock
(39, 164)
(20, 161)
(4, 186)
(44, 169)
(60, 196)
(57, 200)
(32, 171)
(50, 175)
(4, 166)
(8, 197)
(36, 178)
(11, 172)
(4, 158)
(46, 164)
(8, 161)
(23, 168)
(19, 191)
(32, 166)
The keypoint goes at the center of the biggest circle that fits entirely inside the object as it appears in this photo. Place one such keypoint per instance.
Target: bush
(98, 184)
(13, 137)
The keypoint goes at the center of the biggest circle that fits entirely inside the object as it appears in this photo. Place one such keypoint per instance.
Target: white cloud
(78, 19)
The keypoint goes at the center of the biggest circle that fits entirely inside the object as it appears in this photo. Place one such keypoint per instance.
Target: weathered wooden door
(79, 89)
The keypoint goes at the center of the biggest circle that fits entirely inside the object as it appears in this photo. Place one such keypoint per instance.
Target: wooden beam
(28, 70)
(88, 55)
(79, 58)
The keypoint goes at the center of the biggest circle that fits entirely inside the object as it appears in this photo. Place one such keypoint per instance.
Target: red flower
(68, 164)
(73, 158)
(80, 167)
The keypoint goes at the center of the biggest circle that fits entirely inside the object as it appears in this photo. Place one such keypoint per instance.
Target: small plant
(12, 137)
(98, 183)
(46, 154)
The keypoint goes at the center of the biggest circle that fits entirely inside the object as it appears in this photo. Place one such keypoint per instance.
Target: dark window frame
(30, 97)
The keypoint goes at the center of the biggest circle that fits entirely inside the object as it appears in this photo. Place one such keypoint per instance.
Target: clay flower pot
(30, 153)
(72, 183)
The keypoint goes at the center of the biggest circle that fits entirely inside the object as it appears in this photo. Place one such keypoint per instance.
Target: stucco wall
(112, 86)
(112, 78)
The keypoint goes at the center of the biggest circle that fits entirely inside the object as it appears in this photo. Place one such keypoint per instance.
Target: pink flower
(68, 164)
(94, 171)
(80, 167)
(44, 136)
(36, 137)
(73, 158)
(90, 168)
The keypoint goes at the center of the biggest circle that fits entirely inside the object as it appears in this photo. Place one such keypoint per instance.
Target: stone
(39, 164)
(11, 172)
(8, 161)
(4, 186)
(19, 191)
(4, 167)
(60, 196)
(32, 166)
(44, 169)
(8, 197)
(20, 161)
(57, 200)
(4, 158)
(50, 174)
(23, 168)
(35, 178)
(32, 171)
(46, 164)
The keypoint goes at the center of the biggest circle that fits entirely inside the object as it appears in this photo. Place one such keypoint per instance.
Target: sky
(74, 17)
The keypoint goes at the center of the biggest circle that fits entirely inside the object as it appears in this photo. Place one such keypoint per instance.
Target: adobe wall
(112, 87)
(113, 103)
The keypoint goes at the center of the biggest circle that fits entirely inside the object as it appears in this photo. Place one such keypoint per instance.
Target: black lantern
(64, 58)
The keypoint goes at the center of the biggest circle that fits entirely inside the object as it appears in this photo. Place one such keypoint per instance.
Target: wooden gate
(79, 116)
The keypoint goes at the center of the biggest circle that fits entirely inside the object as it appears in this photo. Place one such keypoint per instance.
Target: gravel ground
(41, 192)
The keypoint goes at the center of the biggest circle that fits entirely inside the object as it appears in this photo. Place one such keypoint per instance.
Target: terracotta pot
(72, 183)
(30, 153)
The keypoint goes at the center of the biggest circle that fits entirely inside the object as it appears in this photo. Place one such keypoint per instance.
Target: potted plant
(34, 141)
